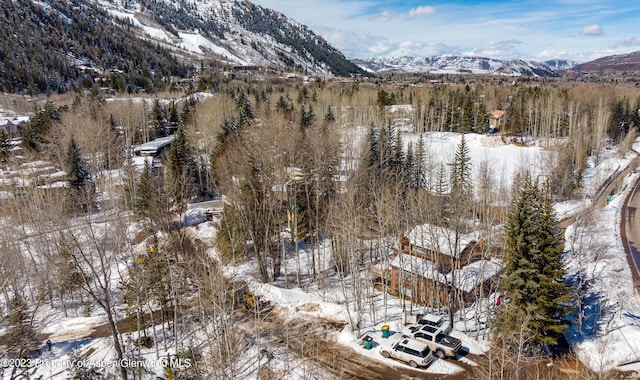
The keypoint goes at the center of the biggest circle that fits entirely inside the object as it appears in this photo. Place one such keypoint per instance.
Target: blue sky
(580, 30)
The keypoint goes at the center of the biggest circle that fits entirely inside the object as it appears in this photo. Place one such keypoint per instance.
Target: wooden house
(496, 120)
(432, 261)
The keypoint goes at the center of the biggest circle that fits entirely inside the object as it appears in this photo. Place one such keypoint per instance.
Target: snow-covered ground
(610, 335)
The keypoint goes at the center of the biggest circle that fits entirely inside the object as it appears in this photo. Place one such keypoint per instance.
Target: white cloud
(412, 48)
(628, 42)
(591, 30)
(500, 49)
(424, 10)
(366, 28)
(383, 16)
(551, 54)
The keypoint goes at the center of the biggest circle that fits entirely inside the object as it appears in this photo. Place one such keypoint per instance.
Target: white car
(410, 351)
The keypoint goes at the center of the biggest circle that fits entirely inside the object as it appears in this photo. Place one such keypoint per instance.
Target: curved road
(630, 223)
(630, 233)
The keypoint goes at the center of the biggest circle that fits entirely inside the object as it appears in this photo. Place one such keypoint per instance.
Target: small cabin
(155, 152)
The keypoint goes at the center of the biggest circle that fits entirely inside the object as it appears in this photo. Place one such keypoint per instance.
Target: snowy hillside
(457, 64)
(561, 64)
(238, 33)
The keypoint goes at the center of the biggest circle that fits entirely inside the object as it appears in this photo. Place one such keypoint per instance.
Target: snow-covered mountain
(142, 44)
(236, 32)
(456, 64)
(561, 64)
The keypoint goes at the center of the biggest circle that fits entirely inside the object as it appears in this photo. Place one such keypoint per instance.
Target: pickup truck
(438, 340)
(433, 320)
(414, 353)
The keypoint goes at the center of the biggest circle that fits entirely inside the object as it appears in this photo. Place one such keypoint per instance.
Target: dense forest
(63, 45)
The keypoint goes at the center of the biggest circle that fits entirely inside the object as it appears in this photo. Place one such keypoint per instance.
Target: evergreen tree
(461, 185)
(244, 109)
(387, 163)
(21, 337)
(79, 178)
(384, 99)
(329, 116)
(114, 146)
(442, 185)
(77, 175)
(371, 156)
(5, 146)
(35, 134)
(188, 111)
(467, 120)
(481, 119)
(230, 241)
(306, 117)
(409, 170)
(181, 179)
(150, 284)
(129, 182)
(620, 121)
(419, 165)
(537, 298)
(303, 95)
(283, 105)
(173, 119)
(144, 190)
(159, 123)
(399, 158)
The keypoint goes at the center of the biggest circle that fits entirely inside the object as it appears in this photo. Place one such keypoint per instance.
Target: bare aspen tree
(321, 164)
(627, 142)
(96, 249)
(600, 130)
(388, 214)
(256, 205)
(346, 220)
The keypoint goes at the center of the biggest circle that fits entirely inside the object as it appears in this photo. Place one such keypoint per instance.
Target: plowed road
(630, 233)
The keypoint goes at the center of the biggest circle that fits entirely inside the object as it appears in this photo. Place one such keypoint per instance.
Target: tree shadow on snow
(61, 348)
(597, 312)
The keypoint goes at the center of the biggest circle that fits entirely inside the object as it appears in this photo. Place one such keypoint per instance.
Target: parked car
(438, 340)
(431, 320)
(410, 351)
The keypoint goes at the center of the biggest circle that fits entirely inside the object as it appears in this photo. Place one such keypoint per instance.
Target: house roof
(419, 266)
(439, 239)
(399, 108)
(496, 114)
(466, 278)
(475, 274)
(152, 147)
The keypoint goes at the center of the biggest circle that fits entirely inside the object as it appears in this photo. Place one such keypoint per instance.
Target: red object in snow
(498, 299)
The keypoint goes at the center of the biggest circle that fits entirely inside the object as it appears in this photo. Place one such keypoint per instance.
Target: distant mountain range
(464, 64)
(622, 62)
(560, 64)
(457, 64)
(59, 45)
